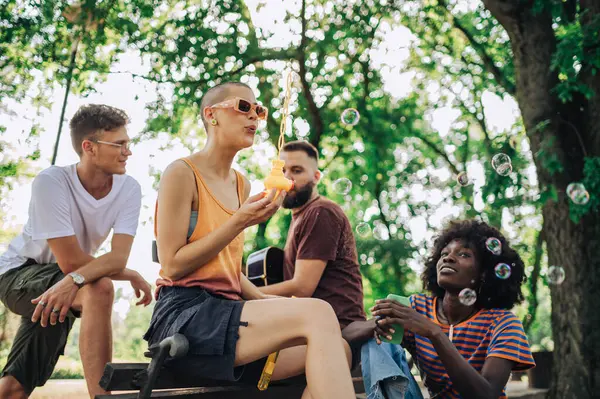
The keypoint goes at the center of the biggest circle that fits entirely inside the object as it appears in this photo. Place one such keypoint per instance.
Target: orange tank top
(221, 275)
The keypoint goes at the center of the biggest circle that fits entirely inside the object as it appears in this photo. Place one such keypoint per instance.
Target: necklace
(442, 316)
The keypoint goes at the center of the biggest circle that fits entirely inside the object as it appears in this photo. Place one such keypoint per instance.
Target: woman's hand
(259, 208)
(393, 312)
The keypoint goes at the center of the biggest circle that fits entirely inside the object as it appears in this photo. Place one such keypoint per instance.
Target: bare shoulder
(177, 171)
(178, 180)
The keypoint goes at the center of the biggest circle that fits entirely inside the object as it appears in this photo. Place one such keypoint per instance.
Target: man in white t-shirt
(49, 275)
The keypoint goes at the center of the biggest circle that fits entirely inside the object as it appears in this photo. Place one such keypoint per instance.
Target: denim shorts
(211, 324)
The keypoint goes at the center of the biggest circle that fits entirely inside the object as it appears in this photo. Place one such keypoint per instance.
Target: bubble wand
(276, 180)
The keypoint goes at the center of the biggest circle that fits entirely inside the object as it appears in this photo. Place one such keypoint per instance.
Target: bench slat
(232, 392)
(130, 376)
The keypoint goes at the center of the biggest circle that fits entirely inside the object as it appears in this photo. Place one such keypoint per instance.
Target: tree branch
(317, 120)
(480, 49)
(266, 55)
(438, 151)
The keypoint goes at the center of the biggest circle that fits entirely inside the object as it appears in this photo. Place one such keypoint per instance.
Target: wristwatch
(78, 279)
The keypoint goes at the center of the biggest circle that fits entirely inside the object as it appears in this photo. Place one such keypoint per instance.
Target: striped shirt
(488, 333)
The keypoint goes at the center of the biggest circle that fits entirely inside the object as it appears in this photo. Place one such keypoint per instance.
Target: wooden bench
(152, 380)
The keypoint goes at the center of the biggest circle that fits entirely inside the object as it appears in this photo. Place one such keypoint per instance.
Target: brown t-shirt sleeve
(320, 235)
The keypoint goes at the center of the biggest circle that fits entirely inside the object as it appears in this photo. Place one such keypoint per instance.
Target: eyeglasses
(125, 147)
(243, 106)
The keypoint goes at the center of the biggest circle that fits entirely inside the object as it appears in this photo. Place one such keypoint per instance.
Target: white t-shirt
(60, 207)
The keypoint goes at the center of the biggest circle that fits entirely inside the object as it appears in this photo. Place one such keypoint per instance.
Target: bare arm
(70, 257)
(180, 258)
(307, 274)
(359, 331)
(468, 381)
(249, 290)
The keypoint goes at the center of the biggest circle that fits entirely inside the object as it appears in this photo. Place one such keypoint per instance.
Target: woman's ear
(208, 113)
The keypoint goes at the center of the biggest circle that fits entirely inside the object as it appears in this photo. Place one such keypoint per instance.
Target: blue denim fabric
(385, 372)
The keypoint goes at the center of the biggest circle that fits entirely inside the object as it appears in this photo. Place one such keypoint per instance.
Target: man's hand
(54, 304)
(382, 330)
(141, 286)
(393, 312)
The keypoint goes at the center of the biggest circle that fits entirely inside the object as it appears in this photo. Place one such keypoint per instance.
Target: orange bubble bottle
(276, 179)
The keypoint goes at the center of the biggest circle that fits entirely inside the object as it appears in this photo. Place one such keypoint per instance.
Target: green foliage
(577, 47)
(591, 181)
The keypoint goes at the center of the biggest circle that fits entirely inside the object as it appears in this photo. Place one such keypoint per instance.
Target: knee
(10, 388)
(100, 291)
(321, 314)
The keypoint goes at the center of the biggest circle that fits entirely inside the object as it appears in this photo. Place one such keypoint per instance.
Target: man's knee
(10, 388)
(100, 290)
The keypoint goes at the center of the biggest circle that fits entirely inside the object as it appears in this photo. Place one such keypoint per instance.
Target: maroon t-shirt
(322, 231)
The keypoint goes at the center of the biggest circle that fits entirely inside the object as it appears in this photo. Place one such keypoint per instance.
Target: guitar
(265, 267)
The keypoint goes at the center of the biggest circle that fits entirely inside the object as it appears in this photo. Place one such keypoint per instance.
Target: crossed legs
(292, 323)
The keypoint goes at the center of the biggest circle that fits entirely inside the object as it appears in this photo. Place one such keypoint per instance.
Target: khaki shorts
(35, 349)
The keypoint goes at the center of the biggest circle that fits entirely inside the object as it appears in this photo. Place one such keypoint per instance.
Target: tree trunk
(561, 130)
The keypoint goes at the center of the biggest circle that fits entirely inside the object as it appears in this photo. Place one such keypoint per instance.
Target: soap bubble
(504, 169)
(342, 186)
(502, 164)
(502, 271)
(467, 297)
(578, 194)
(350, 117)
(463, 179)
(500, 159)
(380, 232)
(494, 245)
(556, 275)
(363, 229)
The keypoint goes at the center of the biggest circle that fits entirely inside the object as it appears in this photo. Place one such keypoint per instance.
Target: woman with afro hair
(463, 348)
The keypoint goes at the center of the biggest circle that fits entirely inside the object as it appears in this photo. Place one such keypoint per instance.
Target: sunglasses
(243, 106)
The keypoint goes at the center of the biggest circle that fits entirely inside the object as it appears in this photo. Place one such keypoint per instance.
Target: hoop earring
(213, 122)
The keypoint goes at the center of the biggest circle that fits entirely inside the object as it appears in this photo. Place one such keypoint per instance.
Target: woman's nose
(449, 258)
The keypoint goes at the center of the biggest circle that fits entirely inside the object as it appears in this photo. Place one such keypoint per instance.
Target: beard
(300, 196)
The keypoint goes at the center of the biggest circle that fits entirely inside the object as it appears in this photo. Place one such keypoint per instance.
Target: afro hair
(494, 292)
